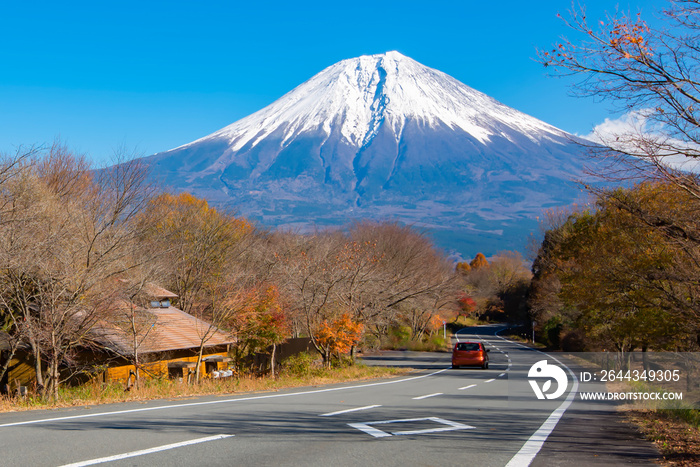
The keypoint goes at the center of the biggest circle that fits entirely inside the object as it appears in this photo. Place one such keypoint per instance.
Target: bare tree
(69, 232)
(650, 72)
(377, 273)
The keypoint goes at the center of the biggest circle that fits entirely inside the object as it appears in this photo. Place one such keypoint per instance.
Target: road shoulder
(592, 438)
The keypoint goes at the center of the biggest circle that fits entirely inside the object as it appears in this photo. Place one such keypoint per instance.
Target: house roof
(149, 289)
(160, 330)
(155, 291)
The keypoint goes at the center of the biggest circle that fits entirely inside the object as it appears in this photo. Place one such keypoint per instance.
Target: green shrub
(301, 364)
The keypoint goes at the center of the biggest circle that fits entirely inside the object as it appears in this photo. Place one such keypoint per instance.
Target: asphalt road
(435, 416)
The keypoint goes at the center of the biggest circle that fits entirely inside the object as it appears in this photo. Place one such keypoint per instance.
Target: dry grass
(100, 393)
(674, 426)
(676, 437)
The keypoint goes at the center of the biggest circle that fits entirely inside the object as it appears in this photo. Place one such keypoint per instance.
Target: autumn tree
(410, 280)
(259, 322)
(651, 72)
(615, 279)
(497, 288)
(380, 274)
(479, 261)
(337, 336)
(309, 276)
(200, 245)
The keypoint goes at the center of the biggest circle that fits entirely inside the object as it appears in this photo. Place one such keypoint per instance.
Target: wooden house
(164, 340)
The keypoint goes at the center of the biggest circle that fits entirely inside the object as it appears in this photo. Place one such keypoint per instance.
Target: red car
(470, 354)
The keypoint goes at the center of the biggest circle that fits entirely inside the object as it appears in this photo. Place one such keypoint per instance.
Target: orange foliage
(435, 323)
(189, 215)
(339, 335)
(625, 37)
(479, 261)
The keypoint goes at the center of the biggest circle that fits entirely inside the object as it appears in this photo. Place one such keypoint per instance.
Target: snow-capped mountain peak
(382, 136)
(358, 95)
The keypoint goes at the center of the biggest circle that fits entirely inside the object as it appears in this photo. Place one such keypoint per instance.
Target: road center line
(490, 380)
(147, 451)
(330, 414)
(426, 396)
(223, 401)
(467, 387)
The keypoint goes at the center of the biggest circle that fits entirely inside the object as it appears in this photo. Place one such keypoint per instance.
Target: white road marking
(467, 387)
(377, 433)
(426, 396)
(533, 445)
(147, 451)
(223, 401)
(349, 410)
(502, 374)
(370, 430)
(490, 380)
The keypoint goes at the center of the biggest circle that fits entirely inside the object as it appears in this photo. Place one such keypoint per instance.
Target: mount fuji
(385, 137)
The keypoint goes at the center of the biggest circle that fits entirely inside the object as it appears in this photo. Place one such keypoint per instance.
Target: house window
(160, 304)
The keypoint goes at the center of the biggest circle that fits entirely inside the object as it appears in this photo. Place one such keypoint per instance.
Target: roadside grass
(466, 321)
(400, 338)
(94, 393)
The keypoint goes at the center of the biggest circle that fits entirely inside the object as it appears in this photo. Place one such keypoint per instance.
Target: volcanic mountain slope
(385, 137)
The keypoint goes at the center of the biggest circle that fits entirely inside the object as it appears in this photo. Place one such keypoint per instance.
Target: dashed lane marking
(143, 452)
(356, 409)
(426, 396)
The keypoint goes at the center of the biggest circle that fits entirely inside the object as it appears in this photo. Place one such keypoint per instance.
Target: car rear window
(467, 346)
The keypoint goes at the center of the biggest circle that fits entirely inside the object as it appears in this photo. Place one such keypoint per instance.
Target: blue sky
(148, 76)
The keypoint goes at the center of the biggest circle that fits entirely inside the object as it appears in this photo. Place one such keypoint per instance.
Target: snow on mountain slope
(383, 136)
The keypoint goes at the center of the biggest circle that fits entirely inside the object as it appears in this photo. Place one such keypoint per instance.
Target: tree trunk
(645, 360)
(199, 363)
(135, 343)
(36, 351)
(272, 360)
(53, 377)
(137, 373)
